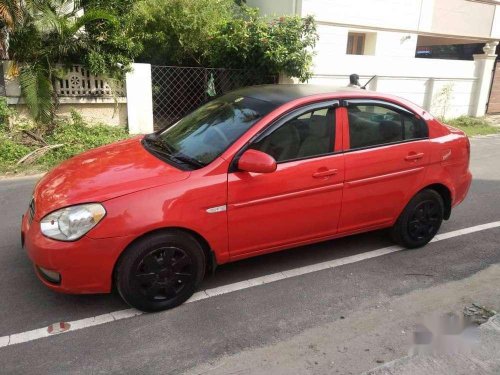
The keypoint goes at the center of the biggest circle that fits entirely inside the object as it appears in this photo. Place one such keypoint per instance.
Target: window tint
(307, 135)
(372, 125)
(211, 129)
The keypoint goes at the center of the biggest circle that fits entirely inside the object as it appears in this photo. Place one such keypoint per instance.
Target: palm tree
(43, 35)
(10, 15)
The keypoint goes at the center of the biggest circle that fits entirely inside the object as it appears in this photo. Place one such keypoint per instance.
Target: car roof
(284, 93)
(280, 94)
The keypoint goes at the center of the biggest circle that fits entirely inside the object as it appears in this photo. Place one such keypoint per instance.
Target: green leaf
(37, 92)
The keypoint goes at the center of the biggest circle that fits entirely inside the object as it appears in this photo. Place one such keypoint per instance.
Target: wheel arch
(445, 194)
(211, 261)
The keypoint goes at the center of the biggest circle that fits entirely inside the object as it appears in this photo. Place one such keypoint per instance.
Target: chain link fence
(177, 91)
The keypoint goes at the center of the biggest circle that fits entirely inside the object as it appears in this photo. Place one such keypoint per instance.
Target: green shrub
(220, 34)
(5, 113)
(472, 125)
(74, 133)
(10, 151)
(468, 121)
(77, 137)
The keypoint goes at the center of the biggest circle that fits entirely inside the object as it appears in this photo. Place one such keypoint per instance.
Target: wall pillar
(429, 94)
(139, 99)
(484, 73)
(284, 79)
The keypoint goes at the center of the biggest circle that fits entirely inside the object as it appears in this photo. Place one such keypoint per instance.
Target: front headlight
(71, 223)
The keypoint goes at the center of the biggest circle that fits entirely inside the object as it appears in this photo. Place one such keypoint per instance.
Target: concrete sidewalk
(494, 119)
(483, 359)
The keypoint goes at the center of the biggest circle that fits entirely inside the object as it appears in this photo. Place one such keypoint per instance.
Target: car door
(301, 199)
(386, 151)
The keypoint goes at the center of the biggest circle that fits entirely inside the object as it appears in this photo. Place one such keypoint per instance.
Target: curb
(494, 135)
(20, 178)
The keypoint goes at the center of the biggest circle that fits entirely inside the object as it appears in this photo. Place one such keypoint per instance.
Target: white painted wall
(495, 29)
(392, 44)
(394, 55)
(139, 99)
(461, 17)
(445, 17)
(394, 14)
(444, 87)
(276, 7)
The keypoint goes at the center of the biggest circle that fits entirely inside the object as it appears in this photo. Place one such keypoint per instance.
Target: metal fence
(179, 90)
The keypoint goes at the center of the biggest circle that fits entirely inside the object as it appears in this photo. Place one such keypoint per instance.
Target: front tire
(160, 271)
(420, 220)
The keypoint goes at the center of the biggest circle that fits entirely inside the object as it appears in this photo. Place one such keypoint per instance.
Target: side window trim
(392, 106)
(382, 103)
(280, 121)
(384, 144)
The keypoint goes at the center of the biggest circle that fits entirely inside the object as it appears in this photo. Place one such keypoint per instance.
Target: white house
(390, 38)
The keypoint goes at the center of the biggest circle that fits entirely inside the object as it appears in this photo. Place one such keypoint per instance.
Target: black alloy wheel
(425, 220)
(160, 271)
(420, 220)
(163, 273)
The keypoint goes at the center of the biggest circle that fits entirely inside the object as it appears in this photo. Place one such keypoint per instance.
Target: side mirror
(256, 162)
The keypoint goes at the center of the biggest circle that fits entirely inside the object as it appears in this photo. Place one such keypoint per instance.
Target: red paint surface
(256, 161)
(303, 201)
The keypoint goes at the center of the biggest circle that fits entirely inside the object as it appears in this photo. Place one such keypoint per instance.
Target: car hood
(103, 173)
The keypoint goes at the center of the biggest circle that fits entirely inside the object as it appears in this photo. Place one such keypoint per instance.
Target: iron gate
(177, 91)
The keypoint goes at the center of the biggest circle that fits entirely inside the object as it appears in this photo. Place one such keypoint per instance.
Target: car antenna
(366, 84)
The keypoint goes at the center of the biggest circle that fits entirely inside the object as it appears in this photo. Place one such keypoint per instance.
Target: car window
(211, 129)
(372, 125)
(310, 134)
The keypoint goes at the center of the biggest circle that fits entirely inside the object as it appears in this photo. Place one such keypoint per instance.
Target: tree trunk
(4, 43)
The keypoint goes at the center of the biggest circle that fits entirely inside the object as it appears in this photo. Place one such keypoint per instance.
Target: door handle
(414, 156)
(325, 173)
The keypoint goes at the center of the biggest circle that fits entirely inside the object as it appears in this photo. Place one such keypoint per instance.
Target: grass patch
(74, 133)
(473, 125)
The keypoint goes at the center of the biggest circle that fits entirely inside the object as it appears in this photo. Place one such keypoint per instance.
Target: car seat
(283, 143)
(318, 140)
(390, 131)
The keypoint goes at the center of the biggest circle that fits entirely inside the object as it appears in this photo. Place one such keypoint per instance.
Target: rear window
(373, 125)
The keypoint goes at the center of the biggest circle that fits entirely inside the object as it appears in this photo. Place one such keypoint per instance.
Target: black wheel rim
(425, 220)
(164, 273)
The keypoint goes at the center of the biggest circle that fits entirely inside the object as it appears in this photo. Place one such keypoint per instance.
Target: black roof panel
(281, 94)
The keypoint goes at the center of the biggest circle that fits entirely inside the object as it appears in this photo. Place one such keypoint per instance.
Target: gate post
(139, 99)
(484, 73)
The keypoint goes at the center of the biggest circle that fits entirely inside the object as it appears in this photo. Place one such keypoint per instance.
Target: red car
(258, 170)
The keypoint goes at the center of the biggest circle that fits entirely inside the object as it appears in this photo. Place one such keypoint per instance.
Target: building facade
(438, 53)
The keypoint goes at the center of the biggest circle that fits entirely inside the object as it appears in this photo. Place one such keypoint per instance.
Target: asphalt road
(203, 336)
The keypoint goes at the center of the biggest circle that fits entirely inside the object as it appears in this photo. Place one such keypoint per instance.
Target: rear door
(386, 152)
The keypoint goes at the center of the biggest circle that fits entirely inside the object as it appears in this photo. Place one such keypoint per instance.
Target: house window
(355, 43)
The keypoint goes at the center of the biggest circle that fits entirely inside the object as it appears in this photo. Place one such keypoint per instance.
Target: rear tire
(420, 220)
(160, 271)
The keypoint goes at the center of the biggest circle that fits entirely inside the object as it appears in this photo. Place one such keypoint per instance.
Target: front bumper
(85, 266)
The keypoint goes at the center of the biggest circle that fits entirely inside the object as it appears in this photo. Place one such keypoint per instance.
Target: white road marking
(75, 325)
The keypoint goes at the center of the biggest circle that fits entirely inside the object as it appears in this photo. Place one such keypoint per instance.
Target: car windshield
(200, 137)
